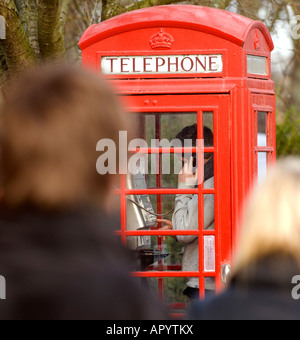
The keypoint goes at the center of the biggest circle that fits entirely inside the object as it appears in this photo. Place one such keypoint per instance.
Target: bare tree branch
(21, 6)
(111, 8)
(64, 12)
(51, 21)
(249, 8)
(81, 13)
(150, 3)
(32, 13)
(28, 13)
(223, 4)
(96, 13)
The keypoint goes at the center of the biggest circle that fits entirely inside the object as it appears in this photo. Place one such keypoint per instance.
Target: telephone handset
(140, 213)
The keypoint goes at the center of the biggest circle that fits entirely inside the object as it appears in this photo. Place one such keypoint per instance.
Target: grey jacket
(186, 218)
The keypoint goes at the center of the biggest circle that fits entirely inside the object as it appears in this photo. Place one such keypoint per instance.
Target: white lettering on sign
(180, 64)
(209, 254)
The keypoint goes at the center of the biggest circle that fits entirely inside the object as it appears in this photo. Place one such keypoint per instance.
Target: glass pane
(155, 258)
(173, 123)
(208, 120)
(160, 130)
(168, 249)
(262, 128)
(262, 163)
(141, 125)
(140, 210)
(174, 293)
(164, 254)
(141, 215)
(177, 294)
(175, 250)
(209, 171)
(186, 220)
(209, 212)
(208, 157)
(161, 171)
(210, 287)
(173, 290)
(170, 124)
(149, 126)
(171, 165)
(257, 65)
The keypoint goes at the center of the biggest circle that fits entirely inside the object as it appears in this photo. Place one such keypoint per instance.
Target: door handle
(225, 273)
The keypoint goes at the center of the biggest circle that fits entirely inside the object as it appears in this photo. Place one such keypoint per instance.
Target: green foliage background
(288, 134)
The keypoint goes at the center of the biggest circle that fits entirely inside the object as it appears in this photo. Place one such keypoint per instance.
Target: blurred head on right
(272, 221)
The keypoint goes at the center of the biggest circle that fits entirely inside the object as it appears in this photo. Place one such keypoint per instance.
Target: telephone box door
(162, 117)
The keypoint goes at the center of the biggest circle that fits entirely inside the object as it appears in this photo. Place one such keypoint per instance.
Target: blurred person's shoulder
(32, 240)
(73, 264)
(213, 308)
(258, 304)
(262, 291)
(60, 239)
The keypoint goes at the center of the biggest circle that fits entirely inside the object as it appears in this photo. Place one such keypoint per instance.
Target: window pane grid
(169, 271)
(263, 150)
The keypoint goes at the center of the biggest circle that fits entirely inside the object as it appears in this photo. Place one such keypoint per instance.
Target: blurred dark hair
(191, 133)
(53, 118)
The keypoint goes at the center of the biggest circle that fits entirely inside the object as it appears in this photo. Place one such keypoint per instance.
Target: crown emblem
(161, 40)
(257, 40)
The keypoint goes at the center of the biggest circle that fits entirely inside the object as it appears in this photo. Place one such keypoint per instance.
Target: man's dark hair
(191, 133)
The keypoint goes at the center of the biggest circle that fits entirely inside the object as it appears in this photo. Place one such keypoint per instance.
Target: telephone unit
(140, 213)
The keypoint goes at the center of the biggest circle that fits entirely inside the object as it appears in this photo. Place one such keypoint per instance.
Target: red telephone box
(175, 66)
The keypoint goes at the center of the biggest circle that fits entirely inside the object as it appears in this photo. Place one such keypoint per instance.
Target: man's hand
(168, 226)
(186, 175)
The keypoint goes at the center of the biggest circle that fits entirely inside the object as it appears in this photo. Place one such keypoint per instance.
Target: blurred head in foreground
(272, 221)
(58, 253)
(268, 258)
(53, 119)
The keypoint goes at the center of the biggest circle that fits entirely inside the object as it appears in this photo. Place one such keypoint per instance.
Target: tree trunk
(51, 20)
(293, 98)
(15, 48)
(111, 8)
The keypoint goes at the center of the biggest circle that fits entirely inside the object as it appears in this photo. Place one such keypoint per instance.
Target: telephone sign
(174, 64)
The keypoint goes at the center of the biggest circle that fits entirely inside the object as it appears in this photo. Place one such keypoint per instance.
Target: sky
(282, 37)
(283, 51)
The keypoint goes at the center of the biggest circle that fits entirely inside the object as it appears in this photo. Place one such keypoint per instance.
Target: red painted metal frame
(236, 97)
(229, 26)
(270, 148)
(210, 31)
(199, 104)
